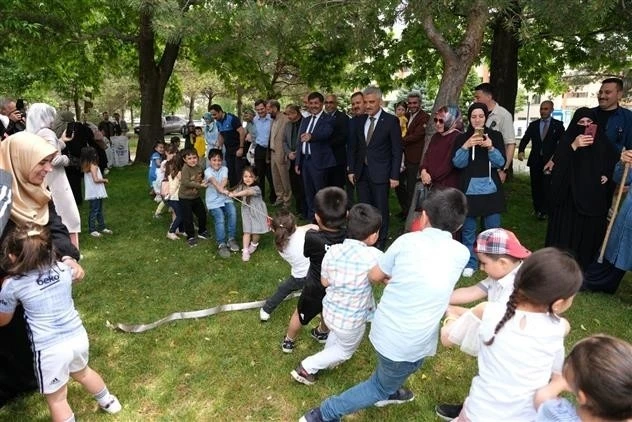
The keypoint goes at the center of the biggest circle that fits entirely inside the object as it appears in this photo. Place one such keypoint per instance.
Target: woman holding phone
(584, 161)
(479, 153)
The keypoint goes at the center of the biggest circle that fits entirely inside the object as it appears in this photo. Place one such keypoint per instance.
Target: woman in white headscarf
(39, 121)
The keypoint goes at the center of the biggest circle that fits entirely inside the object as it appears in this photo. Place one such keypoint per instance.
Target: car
(170, 124)
(197, 123)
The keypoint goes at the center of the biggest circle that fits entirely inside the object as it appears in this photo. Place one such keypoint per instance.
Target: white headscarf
(40, 116)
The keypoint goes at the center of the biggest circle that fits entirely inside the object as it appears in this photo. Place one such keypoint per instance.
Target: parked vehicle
(170, 124)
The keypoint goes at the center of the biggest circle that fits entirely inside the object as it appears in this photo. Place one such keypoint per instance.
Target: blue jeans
(387, 378)
(221, 216)
(95, 218)
(177, 222)
(468, 236)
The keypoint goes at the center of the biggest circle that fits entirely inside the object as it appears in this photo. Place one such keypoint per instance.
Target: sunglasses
(437, 120)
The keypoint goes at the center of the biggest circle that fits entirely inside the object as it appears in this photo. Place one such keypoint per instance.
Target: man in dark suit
(314, 156)
(374, 156)
(337, 176)
(544, 134)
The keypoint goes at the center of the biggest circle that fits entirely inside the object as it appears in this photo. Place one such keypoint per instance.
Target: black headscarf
(473, 107)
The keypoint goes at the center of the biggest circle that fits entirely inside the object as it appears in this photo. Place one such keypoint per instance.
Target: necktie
(369, 134)
(545, 129)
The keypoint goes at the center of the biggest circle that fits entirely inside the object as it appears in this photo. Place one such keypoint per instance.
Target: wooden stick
(614, 213)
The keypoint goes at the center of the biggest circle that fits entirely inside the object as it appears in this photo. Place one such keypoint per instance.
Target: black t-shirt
(317, 242)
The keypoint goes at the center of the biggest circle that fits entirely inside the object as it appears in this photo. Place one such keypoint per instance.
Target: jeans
(387, 378)
(95, 218)
(291, 284)
(468, 236)
(177, 222)
(221, 216)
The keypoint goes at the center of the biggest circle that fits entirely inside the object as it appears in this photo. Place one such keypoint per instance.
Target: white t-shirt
(424, 266)
(519, 362)
(499, 290)
(293, 252)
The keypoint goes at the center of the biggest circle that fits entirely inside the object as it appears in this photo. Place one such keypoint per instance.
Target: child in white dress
(94, 184)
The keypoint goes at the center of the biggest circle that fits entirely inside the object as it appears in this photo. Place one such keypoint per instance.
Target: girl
(254, 214)
(94, 184)
(400, 112)
(172, 172)
(599, 372)
(161, 178)
(522, 343)
(44, 288)
(289, 241)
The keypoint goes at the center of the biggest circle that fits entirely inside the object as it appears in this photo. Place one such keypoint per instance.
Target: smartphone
(591, 130)
(480, 132)
(19, 104)
(70, 129)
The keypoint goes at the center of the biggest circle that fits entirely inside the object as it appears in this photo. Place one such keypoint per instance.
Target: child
(420, 270)
(173, 170)
(154, 165)
(599, 372)
(219, 203)
(400, 112)
(254, 214)
(522, 341)
(191, 182)
(161, 178)
(94, 184)
(330, 206)
(200, 145)
(348, 302)
(44, 288)
(289, 241)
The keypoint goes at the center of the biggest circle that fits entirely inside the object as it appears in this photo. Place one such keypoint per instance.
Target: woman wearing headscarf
(40, 121)
(27, 158)
(211, 133)
(437, 168)
(479, 153)
(579, 193)
(80, 138)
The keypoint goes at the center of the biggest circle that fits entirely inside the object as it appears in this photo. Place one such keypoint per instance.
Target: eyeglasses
(437, 120)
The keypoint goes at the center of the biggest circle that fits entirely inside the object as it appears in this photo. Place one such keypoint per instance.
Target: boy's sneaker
(402, 395)
(95, 234)
(313, 415)
(172, 236)
(245, 255)
(302, 376)
(192, 242)
(113, 406)
(203, 235)
(107, 231)
(468, 272)
(287, 346)
(263, 315)
(233, 245)
(318, 336)
(252, 248)
(447, 412)
(223, 251)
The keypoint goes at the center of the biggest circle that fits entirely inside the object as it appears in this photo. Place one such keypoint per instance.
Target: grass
(229, 367)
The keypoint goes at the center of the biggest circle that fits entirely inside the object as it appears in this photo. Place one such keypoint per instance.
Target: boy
(348, 302)
(500, 255)
(219, 203)
(419, 270)
(154, 165)
(191, 182)
(330, 206)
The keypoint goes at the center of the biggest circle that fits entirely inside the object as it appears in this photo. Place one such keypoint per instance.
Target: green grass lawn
(230, 367)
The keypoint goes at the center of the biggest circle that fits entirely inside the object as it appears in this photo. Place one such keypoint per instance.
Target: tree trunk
(504, 56)
(240, 95)
(191, 106)
(153, 78)
(75, 99)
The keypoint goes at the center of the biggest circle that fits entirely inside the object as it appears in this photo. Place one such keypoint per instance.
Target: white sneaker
(468, 272)
(107, 231)
(113, 406)
(95, 234)
(263, 315)
(172, 236)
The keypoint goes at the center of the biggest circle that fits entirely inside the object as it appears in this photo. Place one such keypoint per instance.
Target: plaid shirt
(348, 302)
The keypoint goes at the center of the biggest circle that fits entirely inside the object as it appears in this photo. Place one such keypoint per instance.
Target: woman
(437, 168)
(479, 153)
(579, 194)
(40, 121)
(81, 135)
(27, 157)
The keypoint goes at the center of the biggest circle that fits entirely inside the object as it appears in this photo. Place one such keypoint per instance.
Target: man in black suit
(337, 176)
(374, 156)
(544, 134)
(314, 156)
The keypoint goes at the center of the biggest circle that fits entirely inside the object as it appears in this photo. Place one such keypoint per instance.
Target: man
(357, 104)
(120, 126)
(279, 162)
(263, 126)
(290, 142)
(337, 176)
(616, 120)
(376, 144)
(314, 156)
(232, 136)
(500, 120)
(413, 145)
(106, 126)
(12, 119)
(544, 133)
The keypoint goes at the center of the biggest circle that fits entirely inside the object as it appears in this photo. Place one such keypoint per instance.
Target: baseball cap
(500, 242)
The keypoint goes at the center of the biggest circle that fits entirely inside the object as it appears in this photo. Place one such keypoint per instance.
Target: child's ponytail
(284, 225)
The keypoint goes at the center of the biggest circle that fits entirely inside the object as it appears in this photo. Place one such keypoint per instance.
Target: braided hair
(545, 277)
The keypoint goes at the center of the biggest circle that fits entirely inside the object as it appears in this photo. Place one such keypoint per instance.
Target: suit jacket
(541, 149)
(383, 154)
(339, 137)
(277, 133)
(321, 154)
(415, 138)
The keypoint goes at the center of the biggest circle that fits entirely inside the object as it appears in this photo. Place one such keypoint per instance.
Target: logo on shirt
(47, 281)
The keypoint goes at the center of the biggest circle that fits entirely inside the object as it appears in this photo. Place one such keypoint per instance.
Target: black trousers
(375, 194)
(264, 171)
(191, 207)
(540, 184)
(298, 191)
(406, 188)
